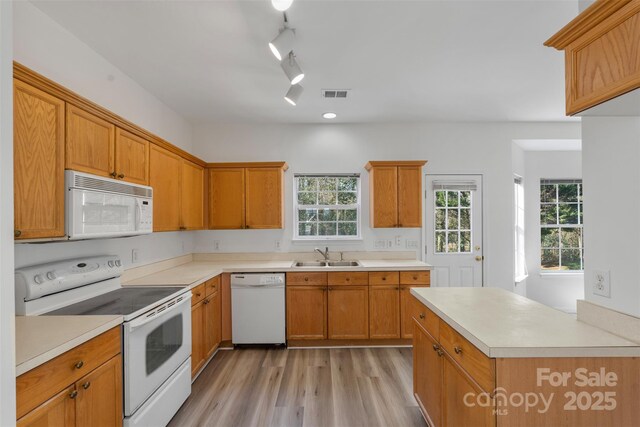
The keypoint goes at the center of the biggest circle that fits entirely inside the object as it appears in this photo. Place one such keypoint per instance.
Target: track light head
(293, 94)
(283, 43)
(281, 5)
(292, 69)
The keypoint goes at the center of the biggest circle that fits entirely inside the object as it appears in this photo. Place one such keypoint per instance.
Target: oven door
(155, 345)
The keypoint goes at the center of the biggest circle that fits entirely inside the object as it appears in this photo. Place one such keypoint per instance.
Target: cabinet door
(306, 312)
(406, 321)
(38, 153)
(456, 385)
(384, 311)
(197, 337)
(348, 312)
(427, 376)
(384, 196)
(264, 197)
(90, 143)
(164, 177)
(226, 198)
(132, 157)
(192, 196)
(99, 400)
(409, 196)
(212, 324)
(59, 411)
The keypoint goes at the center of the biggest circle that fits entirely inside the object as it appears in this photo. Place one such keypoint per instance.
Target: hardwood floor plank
(318, 401)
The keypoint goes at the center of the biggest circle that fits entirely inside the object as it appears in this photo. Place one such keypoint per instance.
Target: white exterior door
(453, 229)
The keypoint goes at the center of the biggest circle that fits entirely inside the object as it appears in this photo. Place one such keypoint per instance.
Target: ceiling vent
(335, 93)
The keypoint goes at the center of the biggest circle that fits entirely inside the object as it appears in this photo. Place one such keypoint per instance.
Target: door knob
(479, 258)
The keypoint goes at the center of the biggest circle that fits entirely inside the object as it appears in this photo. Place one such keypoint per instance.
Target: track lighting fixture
(283, 43)
(293, 94)
(292, 69)
(281, 5)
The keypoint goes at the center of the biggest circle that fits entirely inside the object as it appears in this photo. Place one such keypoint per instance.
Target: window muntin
(452, 226)
(561, 221)
(327, 207)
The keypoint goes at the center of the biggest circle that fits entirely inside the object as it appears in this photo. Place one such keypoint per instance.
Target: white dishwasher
(258, 308)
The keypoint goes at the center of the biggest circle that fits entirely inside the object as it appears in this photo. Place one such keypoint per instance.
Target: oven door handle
(162, 310)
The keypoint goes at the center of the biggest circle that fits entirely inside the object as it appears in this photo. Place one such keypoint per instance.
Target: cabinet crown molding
(373, 163)
(283, 165)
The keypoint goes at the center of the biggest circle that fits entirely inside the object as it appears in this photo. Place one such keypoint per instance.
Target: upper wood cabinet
(601, 53)
(246, 195)
(164, 176)
(90, 145)
(395, 192)
(132, 158)
(192, 196)
(38, 152)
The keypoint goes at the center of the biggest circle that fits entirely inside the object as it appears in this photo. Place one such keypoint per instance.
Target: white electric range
(156, 330)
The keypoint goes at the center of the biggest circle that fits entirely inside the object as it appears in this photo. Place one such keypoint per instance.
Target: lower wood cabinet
(348, 312)
(384, 311)
(427, 382)
(307, 312)
(206, 323)
(82, 387)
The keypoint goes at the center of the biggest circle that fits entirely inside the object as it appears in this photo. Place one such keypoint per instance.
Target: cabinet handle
(246, 226)
(113, 174)
(207, 301)
(440, 353)
(436, 347)
(79, 364)
(397, 288)
(458, 350)
(422, 315)
(121, 175)
(183, 227)
(347, 279)
(86, 385)
(415, 277)
(17, 233)
(198, 294)
(73, 394)
(330, 289)
(306, 279)
(384, 278)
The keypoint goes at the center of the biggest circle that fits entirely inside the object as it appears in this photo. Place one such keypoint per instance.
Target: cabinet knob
(458, 350)
(198, 294)
(79, 364)
(86, 385)
(347, 279)
(397, 288)
(121, 175)
(183, 227)
(436, 347)
(384, 278)
(73, 394)
(306, 279)
(422, 315)
(246, 226)
(17, 233)
(330, 289)
(440, 353)
(113, 174)
(415, 277)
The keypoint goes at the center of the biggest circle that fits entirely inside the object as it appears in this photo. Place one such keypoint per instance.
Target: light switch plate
(380, 244)
(412, 244)
(216, 245)
(134, 256)
(601, 283)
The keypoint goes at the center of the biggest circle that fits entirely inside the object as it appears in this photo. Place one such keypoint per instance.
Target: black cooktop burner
(123, 301)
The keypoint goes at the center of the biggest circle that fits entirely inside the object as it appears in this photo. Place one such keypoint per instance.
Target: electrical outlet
(216, 245)
(380, 244)
(398, 240)
(602, 283)
(278, 245)
(412, 244)
(389, 243)
(134, 256)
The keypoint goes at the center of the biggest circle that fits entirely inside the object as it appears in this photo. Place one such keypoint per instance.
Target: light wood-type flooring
(306, 387)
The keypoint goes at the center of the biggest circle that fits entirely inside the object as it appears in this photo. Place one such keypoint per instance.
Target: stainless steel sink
(309, 264)
(343, 263)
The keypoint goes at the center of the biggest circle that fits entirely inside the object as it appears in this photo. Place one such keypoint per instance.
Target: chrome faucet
(324, 253)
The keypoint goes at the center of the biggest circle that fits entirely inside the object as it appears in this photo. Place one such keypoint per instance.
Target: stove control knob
(51, 275)
(38, 278)
(111, 263)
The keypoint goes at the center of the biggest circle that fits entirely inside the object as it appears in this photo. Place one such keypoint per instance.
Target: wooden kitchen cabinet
(164, 176)
(408, 280)
(206, 323)
(246, 195)
(197, 338)
(601, 53)
(38, 153)
(427, 378)
(348, 312)
(384, 305)
(132, 158)
(90, 377)
(90, 143)
(192, 196)
(395, 193)
(307, 312)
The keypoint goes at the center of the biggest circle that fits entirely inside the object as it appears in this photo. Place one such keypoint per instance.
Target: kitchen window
(518, 218)
(327, 206)
(561, 222)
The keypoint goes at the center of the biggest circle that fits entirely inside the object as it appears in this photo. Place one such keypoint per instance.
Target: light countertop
(196, 272)
(503, 324)
(42, 338)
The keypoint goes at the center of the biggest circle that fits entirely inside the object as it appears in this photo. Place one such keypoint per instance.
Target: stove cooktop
(123, 301)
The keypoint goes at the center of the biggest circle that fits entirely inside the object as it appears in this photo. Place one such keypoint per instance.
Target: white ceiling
(404, 60)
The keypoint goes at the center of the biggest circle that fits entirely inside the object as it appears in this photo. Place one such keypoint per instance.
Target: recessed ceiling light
(281, 5)
(293, 94)
(329, 116)
(282, 44)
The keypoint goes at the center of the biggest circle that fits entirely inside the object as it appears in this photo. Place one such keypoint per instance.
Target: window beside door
(561, 231)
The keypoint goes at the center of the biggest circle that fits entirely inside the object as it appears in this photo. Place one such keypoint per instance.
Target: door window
(163, 342)
(453, 221)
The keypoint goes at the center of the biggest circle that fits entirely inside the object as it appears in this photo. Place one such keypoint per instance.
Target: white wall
(7, 309)
(556, 290)
(611, 176)
(46, 47)
(449, 148)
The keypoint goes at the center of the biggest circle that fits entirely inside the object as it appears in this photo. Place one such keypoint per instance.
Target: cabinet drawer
(198, 293)
(41, 383)
(415, 277)
(384, 278)
(425, 317)
(307, 279)
(348, 278)
(212, 286)
(480, 367)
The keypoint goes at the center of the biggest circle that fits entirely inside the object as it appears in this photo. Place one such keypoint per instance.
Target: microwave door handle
(143, 320)
(138, 215)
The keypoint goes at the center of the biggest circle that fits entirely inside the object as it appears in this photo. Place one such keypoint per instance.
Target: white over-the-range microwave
(102, 207)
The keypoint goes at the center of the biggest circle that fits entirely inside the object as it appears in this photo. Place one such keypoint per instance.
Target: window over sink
(327, 206)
